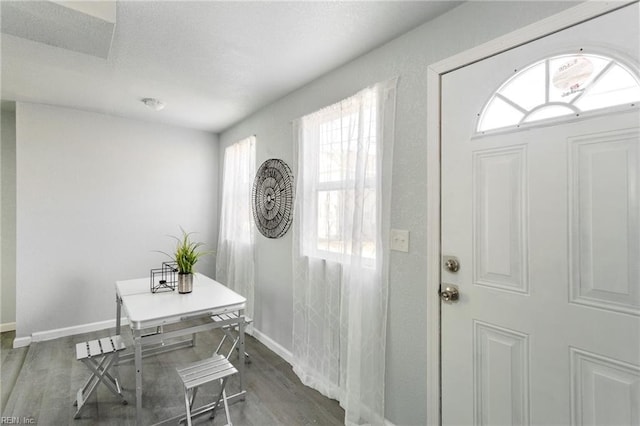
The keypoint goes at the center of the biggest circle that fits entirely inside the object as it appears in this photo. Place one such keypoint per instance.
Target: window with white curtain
(342, 132)
(235, 255)
(340, 250)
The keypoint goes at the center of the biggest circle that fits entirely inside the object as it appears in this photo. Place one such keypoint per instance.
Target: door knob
(450, 293)
(451, 263)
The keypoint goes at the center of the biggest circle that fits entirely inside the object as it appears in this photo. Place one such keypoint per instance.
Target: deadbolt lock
(449, 293)
(451, 263)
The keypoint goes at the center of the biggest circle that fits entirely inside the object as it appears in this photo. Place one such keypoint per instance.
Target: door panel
(501, 365)
(500, 219)
(604, 391)
(604, 219)
(545, 223)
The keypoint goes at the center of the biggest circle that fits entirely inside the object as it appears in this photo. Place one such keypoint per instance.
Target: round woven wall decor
(272, 197)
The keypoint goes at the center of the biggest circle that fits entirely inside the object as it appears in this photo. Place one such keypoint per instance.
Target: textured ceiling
(212, 63)
(59, 25)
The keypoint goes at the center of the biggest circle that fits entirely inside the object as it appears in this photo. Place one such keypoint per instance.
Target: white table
(145, 310)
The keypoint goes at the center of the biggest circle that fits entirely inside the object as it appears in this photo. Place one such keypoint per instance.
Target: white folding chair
(98, 356)
(200, 372)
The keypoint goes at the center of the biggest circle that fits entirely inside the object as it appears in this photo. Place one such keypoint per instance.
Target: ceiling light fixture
(154, 104)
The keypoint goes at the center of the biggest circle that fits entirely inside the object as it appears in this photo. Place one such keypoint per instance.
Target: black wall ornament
(272, 198)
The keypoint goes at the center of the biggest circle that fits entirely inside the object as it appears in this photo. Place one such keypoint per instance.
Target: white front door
(544, 220)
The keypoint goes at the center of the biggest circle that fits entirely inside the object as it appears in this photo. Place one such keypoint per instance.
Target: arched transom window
(565, 85)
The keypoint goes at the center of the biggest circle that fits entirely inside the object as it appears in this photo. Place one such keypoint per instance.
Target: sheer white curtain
(340, 250)
(235, 255)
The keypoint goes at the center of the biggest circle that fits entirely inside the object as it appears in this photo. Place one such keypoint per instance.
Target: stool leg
(82, 396)
(234, 339)
(112, 379)
(99, 373)
(103, 375)
(235, 346)
(229, 333)
(194, 392)
(91, 377)
(187, 402)
(226, 406)
(222, 396)
(220, 344)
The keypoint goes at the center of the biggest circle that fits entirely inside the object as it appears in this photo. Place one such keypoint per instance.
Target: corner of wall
(275, 347)
(20, 342)
(8, 218)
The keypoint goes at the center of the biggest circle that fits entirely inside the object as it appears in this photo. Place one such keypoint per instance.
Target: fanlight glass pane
(499, 114)
(616, 87)
(560, 86)
(570, 75)
(528, 89)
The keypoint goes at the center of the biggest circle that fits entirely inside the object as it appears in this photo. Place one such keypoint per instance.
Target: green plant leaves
(187, 252)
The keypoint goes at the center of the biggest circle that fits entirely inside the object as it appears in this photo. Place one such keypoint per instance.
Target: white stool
(231, 332)
(201, 372)
(98, 356)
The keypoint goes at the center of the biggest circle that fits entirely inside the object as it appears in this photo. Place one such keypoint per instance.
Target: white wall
(407, 57)
(8, 219)
(96, 195)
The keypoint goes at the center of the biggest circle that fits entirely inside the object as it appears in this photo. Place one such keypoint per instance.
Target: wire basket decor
(164, 278)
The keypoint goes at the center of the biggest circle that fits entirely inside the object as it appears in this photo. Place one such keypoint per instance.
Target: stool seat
(103, 346)
(98, 355)
(200, 372)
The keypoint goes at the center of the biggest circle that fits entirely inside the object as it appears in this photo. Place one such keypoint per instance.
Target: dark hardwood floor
(40, 383)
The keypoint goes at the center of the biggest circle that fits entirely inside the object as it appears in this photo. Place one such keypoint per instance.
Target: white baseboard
(41, 336)
(21, 342)
(271, 344)
(8, 326)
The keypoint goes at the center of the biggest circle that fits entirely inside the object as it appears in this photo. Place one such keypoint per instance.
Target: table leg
(137, 338)
(241, 353)
(118, 313)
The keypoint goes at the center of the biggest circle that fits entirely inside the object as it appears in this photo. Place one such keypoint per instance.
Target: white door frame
(570, 17)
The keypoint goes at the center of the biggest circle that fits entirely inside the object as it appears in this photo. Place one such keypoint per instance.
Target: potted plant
(186, 255)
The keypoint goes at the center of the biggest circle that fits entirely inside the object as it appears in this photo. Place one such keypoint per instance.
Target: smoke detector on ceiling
(154, 104)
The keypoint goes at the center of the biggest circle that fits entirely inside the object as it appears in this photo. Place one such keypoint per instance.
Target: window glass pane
(569, 75)
(330, 166)
(369, 131)
(527, 89)
(549, 111)
(236, 223)
(334, 206)
(616, 87)
(369, 224)
(339, 146)
(346, 166)
(499, 114)
(330, 205)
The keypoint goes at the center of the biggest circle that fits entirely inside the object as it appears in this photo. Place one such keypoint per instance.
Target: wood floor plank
(50, 376)
(11, 361)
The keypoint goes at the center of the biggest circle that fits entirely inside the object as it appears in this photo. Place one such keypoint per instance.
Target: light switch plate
(400, 240)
